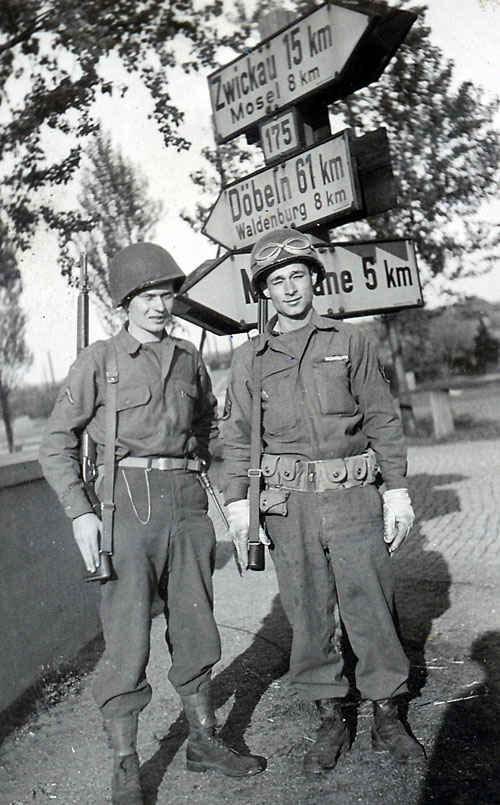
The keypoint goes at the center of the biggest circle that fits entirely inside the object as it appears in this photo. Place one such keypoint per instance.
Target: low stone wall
(47, 613)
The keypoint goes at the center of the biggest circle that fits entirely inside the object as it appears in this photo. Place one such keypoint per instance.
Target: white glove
(398, 517)
(238, 514)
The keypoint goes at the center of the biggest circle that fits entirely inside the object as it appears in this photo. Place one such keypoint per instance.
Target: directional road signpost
(334, 48)
(361, 278)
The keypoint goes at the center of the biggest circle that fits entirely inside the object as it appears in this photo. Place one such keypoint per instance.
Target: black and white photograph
(250, 402)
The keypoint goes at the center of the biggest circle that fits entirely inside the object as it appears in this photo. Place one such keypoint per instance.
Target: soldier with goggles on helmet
(164, 541)
(330, 437)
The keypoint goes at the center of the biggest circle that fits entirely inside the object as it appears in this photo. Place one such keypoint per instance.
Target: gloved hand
(398, 517)
(238, 514)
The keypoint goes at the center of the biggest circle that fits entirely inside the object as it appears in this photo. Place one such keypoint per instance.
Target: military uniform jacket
(165, 407)
(329, 399)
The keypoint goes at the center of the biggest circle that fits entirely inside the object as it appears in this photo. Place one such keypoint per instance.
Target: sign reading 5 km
(361, 278)
(280, 70)
(317, 184)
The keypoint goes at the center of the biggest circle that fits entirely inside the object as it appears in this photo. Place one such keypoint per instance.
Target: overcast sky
(468, 31)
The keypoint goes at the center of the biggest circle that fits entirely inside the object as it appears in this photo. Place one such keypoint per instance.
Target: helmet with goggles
(278, 248)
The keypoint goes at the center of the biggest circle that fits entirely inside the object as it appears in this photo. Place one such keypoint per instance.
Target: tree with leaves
(15, 356)
(114, 199)
(486, 346)
(53, 68)
(445, 153)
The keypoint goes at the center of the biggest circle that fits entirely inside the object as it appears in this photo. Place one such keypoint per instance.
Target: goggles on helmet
(297, 244)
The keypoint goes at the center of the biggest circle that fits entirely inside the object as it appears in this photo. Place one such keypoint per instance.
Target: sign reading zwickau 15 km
(318, 184)
(361, 278)
(332, 46)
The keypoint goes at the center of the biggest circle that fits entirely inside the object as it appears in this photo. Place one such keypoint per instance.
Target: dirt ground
(447, 579)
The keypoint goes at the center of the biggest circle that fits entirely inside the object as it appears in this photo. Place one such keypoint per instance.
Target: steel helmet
(278, 248)
(141, 266)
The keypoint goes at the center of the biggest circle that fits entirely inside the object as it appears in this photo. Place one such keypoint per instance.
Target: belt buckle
(311, 472)
(162, 463)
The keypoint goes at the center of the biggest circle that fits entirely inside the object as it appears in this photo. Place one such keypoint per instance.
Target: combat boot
(390, 735)
(205, 750)
(332, 739)
(122, 735)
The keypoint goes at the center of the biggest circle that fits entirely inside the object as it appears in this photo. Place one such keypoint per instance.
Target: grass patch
(54, 686)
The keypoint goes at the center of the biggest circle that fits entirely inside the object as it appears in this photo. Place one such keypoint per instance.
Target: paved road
(448, 574)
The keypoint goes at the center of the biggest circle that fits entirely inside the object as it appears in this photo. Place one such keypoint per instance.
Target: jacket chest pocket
(185, 398)
(131, 411)
(278, 402)
(333, 387)
(131, 397)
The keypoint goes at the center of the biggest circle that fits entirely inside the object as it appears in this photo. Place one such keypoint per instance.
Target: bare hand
(86, 531)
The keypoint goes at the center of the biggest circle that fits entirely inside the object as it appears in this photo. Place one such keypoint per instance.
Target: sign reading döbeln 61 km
(316, 185)
(334, 46)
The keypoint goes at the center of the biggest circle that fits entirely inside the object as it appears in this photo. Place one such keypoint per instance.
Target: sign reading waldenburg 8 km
(284, 68)
(361, 278)
(317, 184)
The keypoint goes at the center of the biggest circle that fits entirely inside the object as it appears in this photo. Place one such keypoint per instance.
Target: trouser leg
(192, 634)
(365, 589)
(307, 592)
(121, 687)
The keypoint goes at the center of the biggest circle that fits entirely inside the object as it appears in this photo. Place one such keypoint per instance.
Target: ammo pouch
(273, 501)
(282, 473)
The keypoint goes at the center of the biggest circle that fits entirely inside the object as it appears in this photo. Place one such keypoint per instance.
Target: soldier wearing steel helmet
(330, 437)
(163, 540)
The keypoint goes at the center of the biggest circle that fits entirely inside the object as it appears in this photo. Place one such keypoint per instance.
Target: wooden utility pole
(407, 416)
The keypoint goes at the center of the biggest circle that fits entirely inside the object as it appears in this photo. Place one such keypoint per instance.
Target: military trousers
(331, 561)
(164, 543)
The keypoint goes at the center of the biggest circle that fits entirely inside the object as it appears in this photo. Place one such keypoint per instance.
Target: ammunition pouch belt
(298, 475)
(161, 463)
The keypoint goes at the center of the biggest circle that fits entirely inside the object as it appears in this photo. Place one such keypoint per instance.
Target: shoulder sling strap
(255, 472)
(108, 503)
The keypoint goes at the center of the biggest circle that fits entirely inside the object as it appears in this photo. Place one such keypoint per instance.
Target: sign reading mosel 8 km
(333, 45)
(317, 184)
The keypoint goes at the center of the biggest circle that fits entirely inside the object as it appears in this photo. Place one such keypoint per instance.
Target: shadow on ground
(463, 768)
(244, 681)
(422, 575)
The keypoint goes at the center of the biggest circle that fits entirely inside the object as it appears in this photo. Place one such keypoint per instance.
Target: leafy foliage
(117, 210)
(53, 67)
(445, 154)
(14, 354)
(458, 339)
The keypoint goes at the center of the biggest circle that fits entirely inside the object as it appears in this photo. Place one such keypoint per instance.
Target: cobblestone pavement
(447, 573)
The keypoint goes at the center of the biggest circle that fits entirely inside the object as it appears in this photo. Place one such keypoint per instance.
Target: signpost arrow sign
(318, 184)
(333, 47)
(361, 279)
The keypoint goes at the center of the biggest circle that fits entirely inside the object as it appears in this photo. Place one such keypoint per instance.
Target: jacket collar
(131, 345)
(316, 321)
